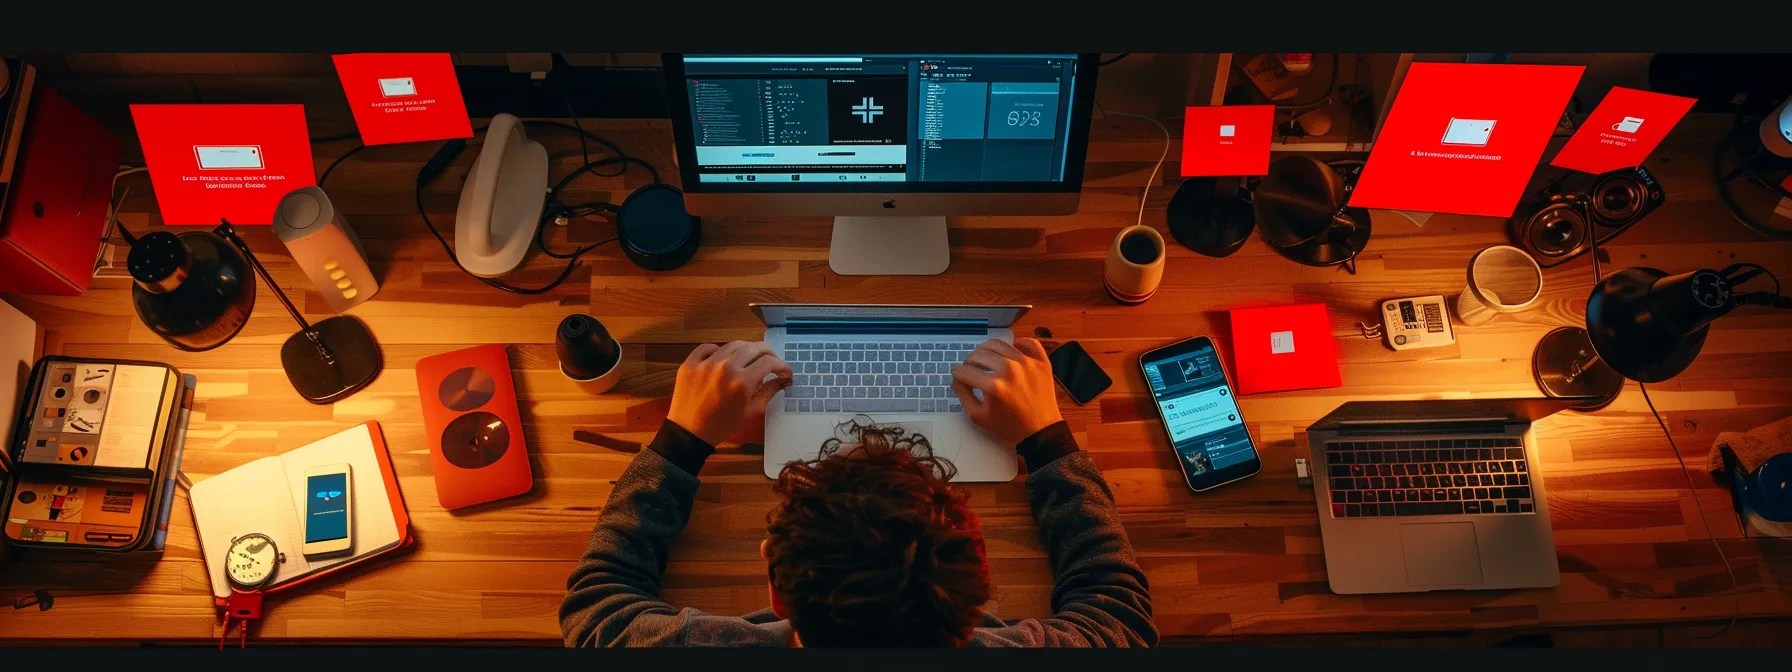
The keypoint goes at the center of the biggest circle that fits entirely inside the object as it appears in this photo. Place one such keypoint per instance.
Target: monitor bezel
(1075, 151)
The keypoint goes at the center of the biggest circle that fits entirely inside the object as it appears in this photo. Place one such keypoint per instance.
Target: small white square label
(1281, 342)
(1227, 130)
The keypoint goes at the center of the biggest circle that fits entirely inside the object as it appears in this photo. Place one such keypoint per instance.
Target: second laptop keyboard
(874, 376)
(1428, 477)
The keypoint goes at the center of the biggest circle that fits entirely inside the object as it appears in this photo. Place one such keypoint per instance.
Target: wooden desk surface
(1242, 560)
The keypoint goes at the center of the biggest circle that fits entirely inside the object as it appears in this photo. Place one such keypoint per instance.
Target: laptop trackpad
(1441, 554)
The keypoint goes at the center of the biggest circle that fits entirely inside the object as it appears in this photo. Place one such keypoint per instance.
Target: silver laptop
(891, 363)
(1433, 495)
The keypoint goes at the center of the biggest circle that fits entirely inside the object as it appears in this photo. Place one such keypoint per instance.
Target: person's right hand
(721, 388)
(1016, 385)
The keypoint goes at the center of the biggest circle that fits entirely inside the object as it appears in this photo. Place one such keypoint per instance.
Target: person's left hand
(721, 389)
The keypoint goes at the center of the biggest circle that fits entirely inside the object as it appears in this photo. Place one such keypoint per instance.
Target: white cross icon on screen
(867, 110)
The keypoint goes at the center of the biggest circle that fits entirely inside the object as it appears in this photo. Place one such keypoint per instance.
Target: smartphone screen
(1200, 413)
(1081, 377)
(326, 514)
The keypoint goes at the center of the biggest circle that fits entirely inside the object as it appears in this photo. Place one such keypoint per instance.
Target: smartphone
(1078, 373)
(1194, 400)
(329, 522)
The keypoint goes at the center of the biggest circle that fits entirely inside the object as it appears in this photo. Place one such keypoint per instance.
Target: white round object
(251, 561)
(1776, 130)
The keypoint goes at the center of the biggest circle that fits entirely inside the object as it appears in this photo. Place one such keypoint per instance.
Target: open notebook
(267, 496)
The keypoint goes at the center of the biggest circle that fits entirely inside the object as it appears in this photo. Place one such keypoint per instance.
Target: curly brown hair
(871, 547)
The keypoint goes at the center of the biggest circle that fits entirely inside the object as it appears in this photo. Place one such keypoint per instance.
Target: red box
(1622, 130)
(403, 97)
(212, 162)
(1230, 140)
(58, 201)
(1464, 138)
(1284, 348)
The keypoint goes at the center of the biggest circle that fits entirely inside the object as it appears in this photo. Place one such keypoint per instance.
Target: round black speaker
(1209, 217)
(1618, 199)
(1557, 229)
(655, 230)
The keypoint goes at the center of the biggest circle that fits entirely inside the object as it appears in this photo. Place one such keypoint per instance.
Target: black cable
(527, 291)
(1323, 98)
(337, 162)
(1744, 168)
(1115, 59)
(1735, 586)
(584, 149)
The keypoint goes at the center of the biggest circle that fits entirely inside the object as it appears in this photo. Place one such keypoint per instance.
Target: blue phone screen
(326, 515)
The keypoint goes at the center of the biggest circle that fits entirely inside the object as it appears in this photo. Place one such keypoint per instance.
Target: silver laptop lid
(783, 314)
(1436, 411)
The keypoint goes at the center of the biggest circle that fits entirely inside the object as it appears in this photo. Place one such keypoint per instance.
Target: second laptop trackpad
(1441, 554)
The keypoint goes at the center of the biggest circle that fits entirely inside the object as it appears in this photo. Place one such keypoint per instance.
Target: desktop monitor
(887, 144)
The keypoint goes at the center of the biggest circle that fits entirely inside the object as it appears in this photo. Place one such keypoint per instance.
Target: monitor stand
(889, 246)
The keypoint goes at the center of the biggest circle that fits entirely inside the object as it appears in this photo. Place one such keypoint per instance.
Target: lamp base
(354, 363)
(1211, 215)
(1553, 363)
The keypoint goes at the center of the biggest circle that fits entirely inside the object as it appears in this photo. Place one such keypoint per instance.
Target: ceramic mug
(1135, 265)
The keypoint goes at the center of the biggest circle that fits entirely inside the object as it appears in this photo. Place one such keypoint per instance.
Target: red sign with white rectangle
(403, 97)
(1464, 138)
(1229, 140)
(1622, 130)
(214, 162)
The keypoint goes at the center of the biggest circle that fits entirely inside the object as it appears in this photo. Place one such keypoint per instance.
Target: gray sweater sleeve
(1099, 596)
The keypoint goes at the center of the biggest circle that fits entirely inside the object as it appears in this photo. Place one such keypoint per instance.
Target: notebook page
(248, 499)
(375, 529)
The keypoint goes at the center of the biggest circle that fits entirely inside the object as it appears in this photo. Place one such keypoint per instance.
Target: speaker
(655, 230)
(474, 428)
(1554, 226)
(325, 248)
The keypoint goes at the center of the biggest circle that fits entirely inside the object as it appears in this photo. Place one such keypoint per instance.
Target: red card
(1227, 140)
(403, 97)
(1464, 137)
(1622, 130)
(1284, 348)
(235, 162)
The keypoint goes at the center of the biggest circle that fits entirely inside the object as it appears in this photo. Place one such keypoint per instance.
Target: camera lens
(60, 393)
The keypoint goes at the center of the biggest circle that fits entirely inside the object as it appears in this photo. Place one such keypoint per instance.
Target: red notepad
(1284, 348)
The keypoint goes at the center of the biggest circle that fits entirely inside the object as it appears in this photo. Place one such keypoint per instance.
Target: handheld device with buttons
(325, 248)
(1418, 322)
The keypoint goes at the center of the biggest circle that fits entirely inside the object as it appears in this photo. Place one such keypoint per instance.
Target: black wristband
(680, 447)
(1047, 445)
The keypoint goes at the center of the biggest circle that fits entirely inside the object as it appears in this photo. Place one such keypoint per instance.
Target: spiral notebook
(266, 496)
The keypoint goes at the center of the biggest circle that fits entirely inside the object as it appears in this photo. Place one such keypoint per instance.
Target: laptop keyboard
(1428, 477)
(874, 376)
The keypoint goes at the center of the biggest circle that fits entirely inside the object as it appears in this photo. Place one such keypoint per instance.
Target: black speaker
(1556, 225)
(655, 230)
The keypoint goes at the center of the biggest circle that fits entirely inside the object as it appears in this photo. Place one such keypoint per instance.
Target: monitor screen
(881, 122)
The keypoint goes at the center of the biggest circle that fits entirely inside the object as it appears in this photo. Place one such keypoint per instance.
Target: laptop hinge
(872, 327)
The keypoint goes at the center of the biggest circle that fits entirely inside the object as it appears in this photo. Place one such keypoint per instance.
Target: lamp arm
(228, 232)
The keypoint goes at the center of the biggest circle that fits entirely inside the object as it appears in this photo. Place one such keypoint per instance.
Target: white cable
(1146, 197)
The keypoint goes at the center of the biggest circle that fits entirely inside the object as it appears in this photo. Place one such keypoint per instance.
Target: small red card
(1284, 348)
(1622, 130)
(403, 97)
(1227, 140)
(212, 162)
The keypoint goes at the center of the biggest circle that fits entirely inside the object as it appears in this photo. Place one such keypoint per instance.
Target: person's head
(869, 546)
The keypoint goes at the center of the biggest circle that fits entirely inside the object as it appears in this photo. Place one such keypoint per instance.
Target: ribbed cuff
(680, 447)
(1047, 445)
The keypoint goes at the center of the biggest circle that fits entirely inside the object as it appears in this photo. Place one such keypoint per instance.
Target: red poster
(1464, 137)
(403, 97)
(1622, 131)
(211, 162)
(1227, 140)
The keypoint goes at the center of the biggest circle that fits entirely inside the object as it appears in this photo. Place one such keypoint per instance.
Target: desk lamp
(196, 290)
(1301, 210)
(1644, 325)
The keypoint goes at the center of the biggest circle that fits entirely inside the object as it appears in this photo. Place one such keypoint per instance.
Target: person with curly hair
(869, 544)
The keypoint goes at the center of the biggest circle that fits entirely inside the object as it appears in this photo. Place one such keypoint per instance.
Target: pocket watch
(252, 561)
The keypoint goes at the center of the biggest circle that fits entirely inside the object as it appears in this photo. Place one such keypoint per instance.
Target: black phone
(1194, 400)
(1078, 373)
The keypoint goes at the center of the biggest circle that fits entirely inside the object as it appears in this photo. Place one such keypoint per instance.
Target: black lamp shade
(1300, 211)
(1648, 325)
(195, 289)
